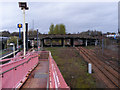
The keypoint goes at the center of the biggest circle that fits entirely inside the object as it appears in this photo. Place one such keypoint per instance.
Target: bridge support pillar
(51, 42)
(72, 42)
(62, 41)
(42, 43)
(39, 44)
(96, 42)
(32, 43)
(86, 42)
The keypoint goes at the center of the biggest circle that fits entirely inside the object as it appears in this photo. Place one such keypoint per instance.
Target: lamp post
(37, 39)
(12, 44)
(17, 43)
(23, 6)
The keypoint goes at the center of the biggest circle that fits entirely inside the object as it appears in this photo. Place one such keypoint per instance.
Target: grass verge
(72, 67)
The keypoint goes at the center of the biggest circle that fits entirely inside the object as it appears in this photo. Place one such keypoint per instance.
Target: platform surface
(39, 76)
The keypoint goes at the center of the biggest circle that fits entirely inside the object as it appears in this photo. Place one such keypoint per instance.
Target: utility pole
(26, 24)
(24, 31)
(37, 39)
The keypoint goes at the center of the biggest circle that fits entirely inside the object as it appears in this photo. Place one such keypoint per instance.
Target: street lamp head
(11, 44)
(23, 5)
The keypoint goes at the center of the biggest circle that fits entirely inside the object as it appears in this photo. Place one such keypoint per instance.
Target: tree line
(8, 34)
(53, 29)
(57, 29)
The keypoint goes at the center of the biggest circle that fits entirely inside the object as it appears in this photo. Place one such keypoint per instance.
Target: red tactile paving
(38, 78)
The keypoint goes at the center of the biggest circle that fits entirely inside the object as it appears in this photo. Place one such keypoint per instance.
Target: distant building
(3, 42)
(113, 35)
(118, 31)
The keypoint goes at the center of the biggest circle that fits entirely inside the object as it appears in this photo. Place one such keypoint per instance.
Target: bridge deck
(39, 77)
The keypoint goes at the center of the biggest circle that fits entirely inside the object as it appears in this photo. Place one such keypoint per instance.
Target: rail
(8, 55)
(105, 72)
(17, 57)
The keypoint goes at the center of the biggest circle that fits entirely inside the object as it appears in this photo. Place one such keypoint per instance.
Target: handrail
(16, 58)
(8, 54)
(17, 65)
(19, 53)
(14, 73)
(48, 75)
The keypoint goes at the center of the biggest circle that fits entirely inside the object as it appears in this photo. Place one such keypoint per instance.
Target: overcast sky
(77, 16)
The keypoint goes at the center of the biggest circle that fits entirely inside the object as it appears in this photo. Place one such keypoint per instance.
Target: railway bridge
(72, 40)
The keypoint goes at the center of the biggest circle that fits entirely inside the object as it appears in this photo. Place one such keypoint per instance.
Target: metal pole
(24, 31)
(89, 68)
(19, 34)
(17, 43)
(32, 44)
(102, 46)
(26, 36)
(37, 38)
(14, 50)
(86, 42)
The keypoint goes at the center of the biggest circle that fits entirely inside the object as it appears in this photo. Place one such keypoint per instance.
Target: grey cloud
(77, 17)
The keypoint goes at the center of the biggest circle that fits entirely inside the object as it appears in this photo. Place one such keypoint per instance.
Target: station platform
(39, 76)
(37, 70)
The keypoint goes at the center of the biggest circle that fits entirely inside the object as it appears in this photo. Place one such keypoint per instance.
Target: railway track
(107, 60)
(109, 68)
(109, 76)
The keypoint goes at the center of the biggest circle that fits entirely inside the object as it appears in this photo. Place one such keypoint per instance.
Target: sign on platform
(19, 25)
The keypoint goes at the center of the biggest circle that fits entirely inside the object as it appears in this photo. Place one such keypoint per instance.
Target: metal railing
(13, 73)
(8, 55)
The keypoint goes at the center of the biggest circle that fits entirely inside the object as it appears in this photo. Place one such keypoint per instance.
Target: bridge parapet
(42, 36)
